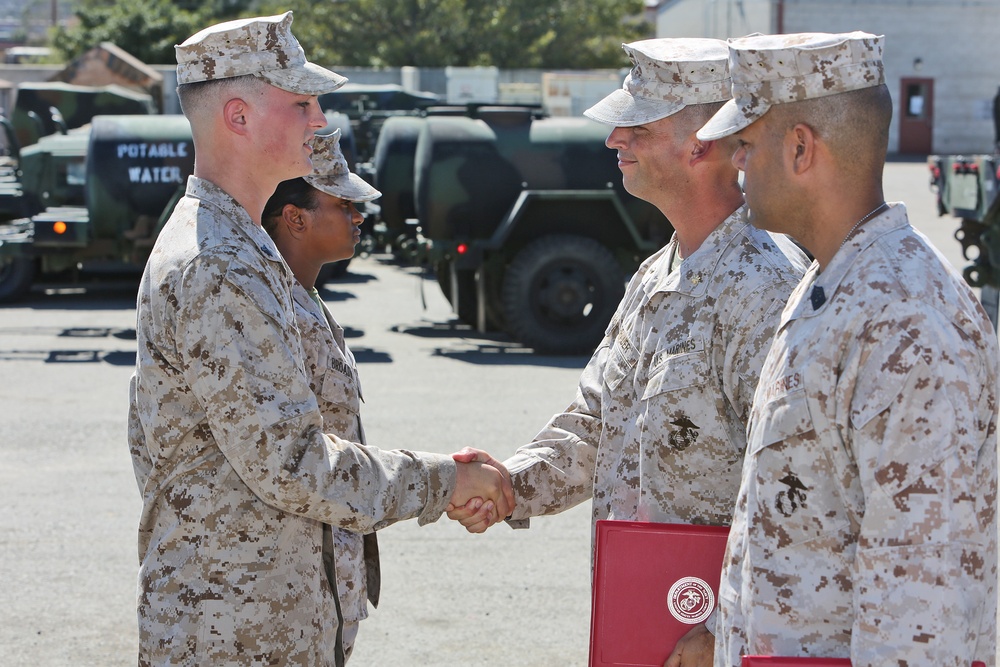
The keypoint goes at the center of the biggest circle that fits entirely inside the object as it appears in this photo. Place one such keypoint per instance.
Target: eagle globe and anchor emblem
(690, 600)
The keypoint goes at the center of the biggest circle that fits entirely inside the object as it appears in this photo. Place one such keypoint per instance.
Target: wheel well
(596, 219)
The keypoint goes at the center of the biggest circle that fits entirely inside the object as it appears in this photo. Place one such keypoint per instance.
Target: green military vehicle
(522, 217)
(42, 147)
(967, 187)
(98, 195)
(52, 107)
(368, 106)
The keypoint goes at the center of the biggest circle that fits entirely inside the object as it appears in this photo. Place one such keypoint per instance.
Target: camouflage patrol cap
(262, 46)
(667, 75)
(331, 174)
(774, 69)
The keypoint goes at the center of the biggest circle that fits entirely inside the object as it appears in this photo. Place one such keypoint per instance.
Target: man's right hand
(483, 492)
(479, 511)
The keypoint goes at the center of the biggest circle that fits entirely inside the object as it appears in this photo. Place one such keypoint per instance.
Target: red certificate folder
(774, 661)
(653, 582)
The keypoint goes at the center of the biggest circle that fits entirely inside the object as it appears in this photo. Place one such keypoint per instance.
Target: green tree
(147, 29)
(549, 34)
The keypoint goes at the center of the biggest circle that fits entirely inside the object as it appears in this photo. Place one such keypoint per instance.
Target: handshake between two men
(484, 494)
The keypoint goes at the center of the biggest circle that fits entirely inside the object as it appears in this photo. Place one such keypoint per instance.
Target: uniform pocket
(677, 372)
(621, 361)
(782, 418)
(798, 480)
(341, 390)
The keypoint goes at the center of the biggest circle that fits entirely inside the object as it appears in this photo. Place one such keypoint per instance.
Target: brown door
(916, 118)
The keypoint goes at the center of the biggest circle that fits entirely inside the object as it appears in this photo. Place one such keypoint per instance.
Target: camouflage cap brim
(309, 79)
(348, 186)
(623, 110)
(667, 75)
(331, 173)
(730, 119)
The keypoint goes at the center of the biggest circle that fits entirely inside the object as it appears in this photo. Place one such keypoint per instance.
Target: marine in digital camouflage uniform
(657, 429)
(656, 432)
(237, 471)
(351, 557)
(865, 526)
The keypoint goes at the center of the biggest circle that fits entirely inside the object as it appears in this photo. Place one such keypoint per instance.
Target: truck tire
(560, 292)
(16, 276)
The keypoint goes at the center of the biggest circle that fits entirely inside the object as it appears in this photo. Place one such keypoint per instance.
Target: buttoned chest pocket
(263, 333)
(676, 372)
(340, 402)
(795, 481)
(621, 362)
(340, 388)
(681, 408)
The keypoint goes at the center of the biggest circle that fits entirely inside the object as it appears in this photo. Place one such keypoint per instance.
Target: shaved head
(854, 125)
(206, 96)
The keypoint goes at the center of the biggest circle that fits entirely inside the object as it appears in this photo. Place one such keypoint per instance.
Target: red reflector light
(462, 248)
(59, 227)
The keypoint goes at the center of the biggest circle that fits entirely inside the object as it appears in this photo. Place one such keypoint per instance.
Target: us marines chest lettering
(689, 345)
(783, 385)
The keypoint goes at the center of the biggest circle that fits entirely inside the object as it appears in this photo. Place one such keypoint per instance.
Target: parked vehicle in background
(967, 187)
(368, 106)
(523, 219)
(94, 199)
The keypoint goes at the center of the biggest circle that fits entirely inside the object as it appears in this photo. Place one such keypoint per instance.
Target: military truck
(52, 107)
(98, 195)
(967, 187)
(523, 219)
(99, 207)
(41, 149)
(368, 106)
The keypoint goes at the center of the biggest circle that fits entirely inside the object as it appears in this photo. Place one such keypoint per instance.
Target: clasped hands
(483, 492)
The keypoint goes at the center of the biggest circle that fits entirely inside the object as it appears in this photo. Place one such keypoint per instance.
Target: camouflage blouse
(865, 524)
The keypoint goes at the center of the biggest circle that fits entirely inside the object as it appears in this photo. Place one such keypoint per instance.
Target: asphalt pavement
(69, 504)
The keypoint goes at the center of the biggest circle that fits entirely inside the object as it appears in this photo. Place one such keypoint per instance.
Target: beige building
(941, 64)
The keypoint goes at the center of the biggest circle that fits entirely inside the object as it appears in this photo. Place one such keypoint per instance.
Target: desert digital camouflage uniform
(227, 441)
(865, 524)
(333, 377)
(656, 432)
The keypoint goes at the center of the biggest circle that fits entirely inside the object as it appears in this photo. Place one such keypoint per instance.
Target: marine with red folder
(652, 583)
(865, 524)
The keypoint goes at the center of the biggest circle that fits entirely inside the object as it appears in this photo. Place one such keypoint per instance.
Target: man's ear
(700, 149)
(235, 115)
(800, 145)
